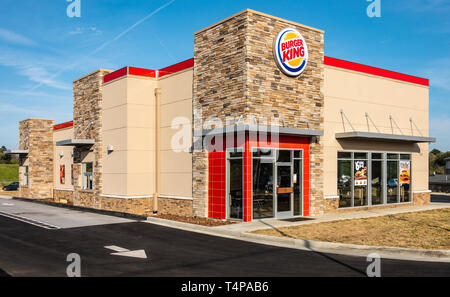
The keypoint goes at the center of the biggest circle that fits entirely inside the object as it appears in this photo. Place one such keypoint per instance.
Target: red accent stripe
(148, 72)
(116, 74)
(63, 125)
(176, 67)
(141, 72)
(375, 71)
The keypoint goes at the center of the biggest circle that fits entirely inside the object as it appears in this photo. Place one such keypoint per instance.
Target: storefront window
(88, 178)
(71, 175)
(62, 174)
(345, 183)
(390, 178)
(262, 188)
(25, 176)
(235, 185)
(377, 179)
(360, 177)
(298, 183)
(405, 180)
(392, 181)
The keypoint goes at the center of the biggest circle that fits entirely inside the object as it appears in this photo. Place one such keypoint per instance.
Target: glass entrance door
(284, 191)
(277, 186)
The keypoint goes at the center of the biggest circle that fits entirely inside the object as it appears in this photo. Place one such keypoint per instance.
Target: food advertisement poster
(62, 174)
(405, 172)
(360, 173)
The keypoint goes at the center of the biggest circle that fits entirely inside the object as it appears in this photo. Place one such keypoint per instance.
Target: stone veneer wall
(36, 136)
(87, 123)
(139, 206)
(235, 74)
(180, 207)
(63, 196)
(332, 205)
(422, 198)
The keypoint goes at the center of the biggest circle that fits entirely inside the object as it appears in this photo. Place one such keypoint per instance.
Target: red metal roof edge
(63, 125)
(375, 71)
(176, 67)
(116, 74)
(128, 70)
(327, 61)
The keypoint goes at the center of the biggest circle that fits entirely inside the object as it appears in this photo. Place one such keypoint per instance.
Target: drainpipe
(157, 150)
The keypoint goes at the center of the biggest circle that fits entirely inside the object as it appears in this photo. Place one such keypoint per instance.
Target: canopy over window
(384, 136)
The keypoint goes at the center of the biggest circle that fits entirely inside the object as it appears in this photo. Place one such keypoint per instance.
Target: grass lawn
(8, 173)
(420, 230)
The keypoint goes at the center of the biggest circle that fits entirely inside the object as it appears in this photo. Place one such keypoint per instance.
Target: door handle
(285, 190)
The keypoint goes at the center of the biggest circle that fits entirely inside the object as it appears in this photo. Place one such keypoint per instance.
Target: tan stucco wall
(66, 159)
(129, 126)
(176, 101)
(357, 93)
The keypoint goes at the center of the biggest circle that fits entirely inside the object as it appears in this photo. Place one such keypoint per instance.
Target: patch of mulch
(195, 220)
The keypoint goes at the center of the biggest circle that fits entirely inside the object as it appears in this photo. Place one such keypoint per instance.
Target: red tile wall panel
(217, 185)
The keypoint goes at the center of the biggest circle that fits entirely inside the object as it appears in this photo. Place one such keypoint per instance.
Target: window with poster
(62, 174)
(373, 178)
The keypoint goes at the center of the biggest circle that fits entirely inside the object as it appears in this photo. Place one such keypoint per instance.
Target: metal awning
(16, 152)
(383, 136)
(75, 142)
(258, 128)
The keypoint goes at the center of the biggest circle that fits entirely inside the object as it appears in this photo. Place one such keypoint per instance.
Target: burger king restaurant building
(258, 124)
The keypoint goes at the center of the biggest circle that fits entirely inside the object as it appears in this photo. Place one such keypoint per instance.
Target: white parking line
(29, 221)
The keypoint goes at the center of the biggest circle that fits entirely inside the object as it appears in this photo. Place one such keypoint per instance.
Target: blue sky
(42, 50)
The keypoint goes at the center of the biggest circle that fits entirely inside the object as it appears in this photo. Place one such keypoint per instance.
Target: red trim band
(148, 72)
(176, 67)
(63, 125)
(327, 61)
(141, 72)
(116, 74)
(375, 71)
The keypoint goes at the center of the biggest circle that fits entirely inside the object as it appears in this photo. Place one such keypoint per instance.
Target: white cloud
(35, 69)
(83, 30)
(40, 75)
(15, 38)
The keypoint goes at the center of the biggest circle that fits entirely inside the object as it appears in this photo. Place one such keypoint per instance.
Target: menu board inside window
(360, 173)
(405, 172)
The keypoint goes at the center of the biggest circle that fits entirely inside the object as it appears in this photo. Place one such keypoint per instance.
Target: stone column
(36, 136)
(87, 123)
(236, 75)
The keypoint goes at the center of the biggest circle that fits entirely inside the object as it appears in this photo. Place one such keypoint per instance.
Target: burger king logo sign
(290, 52)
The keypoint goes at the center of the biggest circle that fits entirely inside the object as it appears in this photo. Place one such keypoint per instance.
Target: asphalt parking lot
(30, 249)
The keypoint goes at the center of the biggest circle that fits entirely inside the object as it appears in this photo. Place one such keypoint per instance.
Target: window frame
(384, 161)
(25, 176)
(85, 176)
(229, 152)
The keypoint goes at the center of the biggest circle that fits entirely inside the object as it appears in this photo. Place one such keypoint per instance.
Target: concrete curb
(314, 246)
(85, 209)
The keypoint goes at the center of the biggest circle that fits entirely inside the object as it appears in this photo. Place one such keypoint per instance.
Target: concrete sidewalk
(275, 223)
(239, 231)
